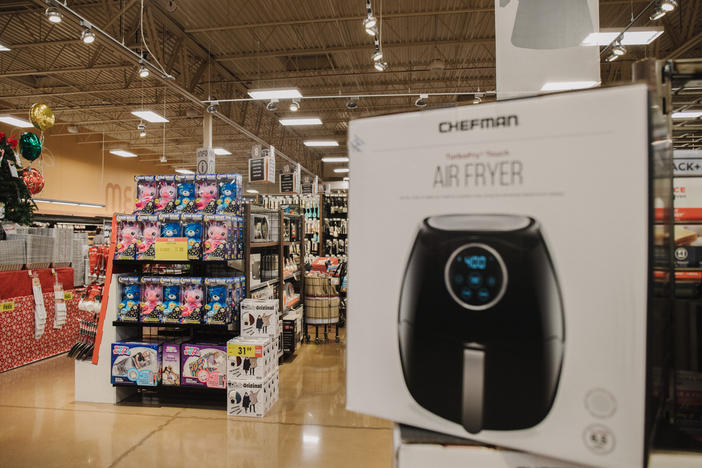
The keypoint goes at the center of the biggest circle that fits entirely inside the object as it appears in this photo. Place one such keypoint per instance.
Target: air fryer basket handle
(473, 387)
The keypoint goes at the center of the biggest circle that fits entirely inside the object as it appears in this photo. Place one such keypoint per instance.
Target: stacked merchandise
(168, 362)
(63, 246)
(336, 226)
(252, 360)
(185, 300)
(79, 257)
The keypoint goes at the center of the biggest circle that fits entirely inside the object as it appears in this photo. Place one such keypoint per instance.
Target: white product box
(170, 366)
(259, 317)
(251, 358)
(247, 398)
(506, 301)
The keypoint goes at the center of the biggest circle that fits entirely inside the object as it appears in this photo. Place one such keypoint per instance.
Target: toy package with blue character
(192, 230)
(170, 225)
(167, 193)
(172, 300)
(218, 306)
(130, 299)
(136, 363)
(185, 201)
(229, 201)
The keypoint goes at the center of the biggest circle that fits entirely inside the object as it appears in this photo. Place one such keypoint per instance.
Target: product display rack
(333, 225)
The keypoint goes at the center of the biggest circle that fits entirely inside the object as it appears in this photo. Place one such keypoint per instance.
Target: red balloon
(34, 180)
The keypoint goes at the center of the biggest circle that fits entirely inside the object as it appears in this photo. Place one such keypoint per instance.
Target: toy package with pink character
(218, 237)
(193, 300)
(147, 192)
(146, 245)
(206, 193)
(167, 194)
(128, 237)
(151, 299)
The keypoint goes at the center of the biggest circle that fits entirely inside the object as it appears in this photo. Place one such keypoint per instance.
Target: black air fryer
(481, 321)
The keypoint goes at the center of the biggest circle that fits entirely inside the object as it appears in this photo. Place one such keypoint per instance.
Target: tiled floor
(42, 425)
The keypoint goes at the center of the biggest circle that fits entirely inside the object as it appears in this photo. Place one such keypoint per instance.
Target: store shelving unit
(333, 218)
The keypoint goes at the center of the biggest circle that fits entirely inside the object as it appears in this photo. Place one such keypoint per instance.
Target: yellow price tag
(68, 295)
(234, 350)
(8, 306)
(172, 248)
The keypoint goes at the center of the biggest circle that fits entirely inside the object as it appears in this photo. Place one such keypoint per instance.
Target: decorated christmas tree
(14, 194)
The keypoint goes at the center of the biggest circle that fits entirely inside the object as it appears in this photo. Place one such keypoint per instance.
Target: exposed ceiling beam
(688, 45)
(330, 50)
(58, 71)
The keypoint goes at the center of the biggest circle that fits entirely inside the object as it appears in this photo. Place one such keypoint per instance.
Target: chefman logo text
(479, 124)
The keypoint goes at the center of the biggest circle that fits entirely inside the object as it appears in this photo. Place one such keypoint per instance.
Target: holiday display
(41, 116)
(30, 146)
(15, 196)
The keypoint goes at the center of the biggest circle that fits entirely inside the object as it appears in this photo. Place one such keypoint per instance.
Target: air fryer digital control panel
(475, 276)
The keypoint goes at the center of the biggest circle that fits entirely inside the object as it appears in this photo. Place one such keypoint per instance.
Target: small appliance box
(204, 365)
(488, 299)
(136, 363)
(259, 318)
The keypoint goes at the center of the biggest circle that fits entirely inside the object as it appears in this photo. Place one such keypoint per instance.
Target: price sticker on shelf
(172, 248)
(234, 350)
(8, 306)
(68, 295)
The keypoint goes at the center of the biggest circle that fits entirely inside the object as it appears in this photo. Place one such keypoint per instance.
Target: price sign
(68, 295)
(234, 350)
(172, 248)
(8, 306)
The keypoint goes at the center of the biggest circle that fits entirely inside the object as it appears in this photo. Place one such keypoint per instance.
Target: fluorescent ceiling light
(70, 203)
(333, 159)
(346, 179)
(4, 48)
(301, 121)
(221, 152)
(251, 191)
(634, 36)
(184, 171)
(279, 93)
(318, 143)
(150, 116)
(341, 170)
(687, 115)
(15, 122)
(568, 85)
(123, 153)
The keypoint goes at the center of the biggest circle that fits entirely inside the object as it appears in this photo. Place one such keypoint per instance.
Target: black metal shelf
(265, 284)
(175, 395)
(199, 326)
(263, 245)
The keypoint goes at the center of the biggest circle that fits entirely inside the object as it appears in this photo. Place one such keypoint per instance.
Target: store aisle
(41, 424)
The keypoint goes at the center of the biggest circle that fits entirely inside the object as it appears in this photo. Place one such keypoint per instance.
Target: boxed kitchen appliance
(507, 302)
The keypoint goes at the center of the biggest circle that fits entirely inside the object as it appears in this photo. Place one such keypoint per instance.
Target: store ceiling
(221, 48)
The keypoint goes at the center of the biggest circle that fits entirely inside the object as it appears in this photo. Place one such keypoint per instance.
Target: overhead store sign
(310, 186)
(262, 169)
(687, 162)
(287, 183)
(538, 43)
(205, 161)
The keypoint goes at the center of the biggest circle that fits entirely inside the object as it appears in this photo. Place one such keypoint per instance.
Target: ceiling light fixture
(352, 103)
(568, 85)
(71, 203)
(421, 102)
(15, 122)
(301, 121)
(380, 66)
(618, 49)
(377, 55)
(611, 57)
(87, 36)
(634, 36)
(341, 170)
(212, 107)
(251, 191)
(184, 171)
(142, 129)
(123, 153)
(53, 15)
(321, 143)
(295, 105)
(150, 116)
(668, 5)
(272, 105)
(163, 158)
(335, 159)
(4, 48)
(222, 152)
(346, 179)
(143, 71)
(657, 14)
(687, 115)
(477, 99)
(275, 94)
(372, 31)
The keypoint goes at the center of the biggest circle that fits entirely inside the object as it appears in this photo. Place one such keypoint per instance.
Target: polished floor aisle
(42, 425)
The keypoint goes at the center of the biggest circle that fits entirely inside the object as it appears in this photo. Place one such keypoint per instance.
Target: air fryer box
(506, 299)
